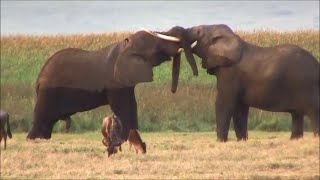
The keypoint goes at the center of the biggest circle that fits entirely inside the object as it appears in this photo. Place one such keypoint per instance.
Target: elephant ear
(225, 50)
(130, 70)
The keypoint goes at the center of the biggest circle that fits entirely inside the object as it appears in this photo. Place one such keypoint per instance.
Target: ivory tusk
(161, 36)
(180, 50)
(148, 31)
(169, 38)
(194, 44)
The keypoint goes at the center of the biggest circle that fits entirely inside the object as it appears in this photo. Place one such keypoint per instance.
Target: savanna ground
(170, 155)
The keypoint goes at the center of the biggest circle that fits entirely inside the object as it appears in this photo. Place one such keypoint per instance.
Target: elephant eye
(198, 32)
(126, 40)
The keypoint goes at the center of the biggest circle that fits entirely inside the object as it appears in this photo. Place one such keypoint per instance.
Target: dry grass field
(266, 155)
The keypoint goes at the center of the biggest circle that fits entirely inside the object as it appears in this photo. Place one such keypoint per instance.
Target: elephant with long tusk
(75, 80)
(282, 78)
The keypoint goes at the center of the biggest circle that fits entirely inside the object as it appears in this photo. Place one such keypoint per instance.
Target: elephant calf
(135, 140)
(4, 118)
(111, 130)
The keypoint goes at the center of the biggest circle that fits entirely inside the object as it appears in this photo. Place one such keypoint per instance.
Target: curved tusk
(169, 38)
(194, 44)
(161, 36)
(180, 50)
(148, 31)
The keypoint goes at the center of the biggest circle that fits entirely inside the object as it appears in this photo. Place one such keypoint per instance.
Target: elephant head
(145, 50)
(217, 45)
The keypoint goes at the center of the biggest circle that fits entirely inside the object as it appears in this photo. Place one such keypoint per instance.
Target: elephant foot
(242, 139)
(41, 134)
(242, 136)
(222, 139)
(296, 136)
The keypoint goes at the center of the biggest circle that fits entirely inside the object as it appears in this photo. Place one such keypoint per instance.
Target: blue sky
(67, 17)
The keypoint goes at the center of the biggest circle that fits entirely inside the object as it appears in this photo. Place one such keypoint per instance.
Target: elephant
(282, 78)
(4, 119)
(75, 80)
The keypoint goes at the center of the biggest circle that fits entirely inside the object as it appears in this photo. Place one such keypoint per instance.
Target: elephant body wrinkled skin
(75, 80)
(282, 78)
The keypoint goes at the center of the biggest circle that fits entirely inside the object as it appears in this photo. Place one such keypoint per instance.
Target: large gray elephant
(283, 78)
(75, 80)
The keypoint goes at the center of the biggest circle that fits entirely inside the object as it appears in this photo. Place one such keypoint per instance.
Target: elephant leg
(315, 120)
(1, 136)
(123, 104)
(297, 126)
(240, 121)
(5, 140)
(68, 124)
(45, 115)
(224, 111)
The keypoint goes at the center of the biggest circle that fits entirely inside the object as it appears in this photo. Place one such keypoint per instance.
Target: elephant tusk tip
(180, 50)
(161, 36)
(147, 30)
(194, 44)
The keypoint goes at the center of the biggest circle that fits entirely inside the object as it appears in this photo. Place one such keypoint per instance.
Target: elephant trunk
(176, 66)
(175, 72)
(181, 33)
(178, 34)
(190, 58)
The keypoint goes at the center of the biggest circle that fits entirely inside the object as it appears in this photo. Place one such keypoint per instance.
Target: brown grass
(169, 156)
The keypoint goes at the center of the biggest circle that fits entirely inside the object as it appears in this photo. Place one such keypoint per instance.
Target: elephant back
(79, 69)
